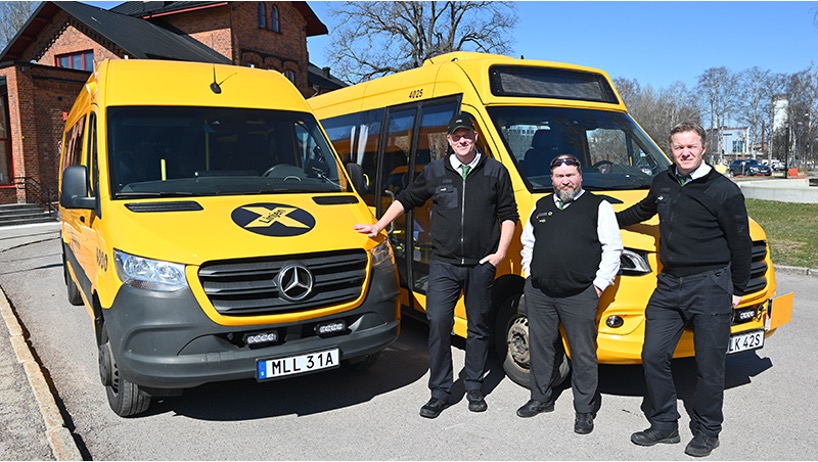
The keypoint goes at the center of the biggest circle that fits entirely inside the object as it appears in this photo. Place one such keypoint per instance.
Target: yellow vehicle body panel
(207, 226)
(467, 76)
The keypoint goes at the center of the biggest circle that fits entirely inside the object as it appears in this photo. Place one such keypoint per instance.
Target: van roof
(175, 83)
(467, 70)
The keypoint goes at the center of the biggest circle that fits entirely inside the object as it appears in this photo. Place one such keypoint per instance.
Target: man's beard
(567, 195)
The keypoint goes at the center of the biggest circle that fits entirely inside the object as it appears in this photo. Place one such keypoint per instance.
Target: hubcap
(518, 342)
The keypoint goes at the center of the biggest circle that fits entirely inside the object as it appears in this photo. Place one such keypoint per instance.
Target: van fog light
(614, 321)
(331, 328)
(262, 338)
(742, 315)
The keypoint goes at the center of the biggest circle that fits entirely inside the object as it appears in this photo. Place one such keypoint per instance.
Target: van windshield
(615, 153)
(196, 151)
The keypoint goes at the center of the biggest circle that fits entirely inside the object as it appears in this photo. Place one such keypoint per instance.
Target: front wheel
(125, 398)
(511, 344)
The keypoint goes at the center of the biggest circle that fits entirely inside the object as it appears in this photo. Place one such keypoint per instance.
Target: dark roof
(152, 9)
(323, 78)
(138, 38)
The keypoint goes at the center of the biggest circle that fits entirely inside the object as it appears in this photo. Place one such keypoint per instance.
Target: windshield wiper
(135, 194)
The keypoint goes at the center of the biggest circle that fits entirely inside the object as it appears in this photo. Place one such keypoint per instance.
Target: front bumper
(165, 340)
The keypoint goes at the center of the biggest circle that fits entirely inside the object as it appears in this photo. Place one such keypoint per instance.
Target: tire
(125, 398)
(72, 291)
(361, 364)
(511, 345)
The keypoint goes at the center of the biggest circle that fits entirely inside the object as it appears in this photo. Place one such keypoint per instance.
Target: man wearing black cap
(473, 219)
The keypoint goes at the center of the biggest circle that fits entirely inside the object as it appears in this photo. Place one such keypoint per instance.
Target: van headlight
(382, 254)
(634, 263)
(144, 273)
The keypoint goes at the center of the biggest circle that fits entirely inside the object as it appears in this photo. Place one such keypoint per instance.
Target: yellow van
(526, 113)
(207, 228)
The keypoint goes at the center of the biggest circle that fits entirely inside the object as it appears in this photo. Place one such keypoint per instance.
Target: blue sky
(656, 43)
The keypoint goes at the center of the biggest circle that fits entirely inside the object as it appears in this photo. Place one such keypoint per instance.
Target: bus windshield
(199, 151)
(615, 153)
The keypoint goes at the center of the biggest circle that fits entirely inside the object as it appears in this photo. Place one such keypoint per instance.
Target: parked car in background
(749, 167)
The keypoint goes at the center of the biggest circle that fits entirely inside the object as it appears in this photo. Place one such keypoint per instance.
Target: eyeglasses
(564, 160)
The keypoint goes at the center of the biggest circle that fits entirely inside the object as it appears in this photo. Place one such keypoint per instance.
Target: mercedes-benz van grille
(251, 286)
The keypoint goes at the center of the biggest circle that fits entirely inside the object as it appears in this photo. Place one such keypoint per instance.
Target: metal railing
(37, 192)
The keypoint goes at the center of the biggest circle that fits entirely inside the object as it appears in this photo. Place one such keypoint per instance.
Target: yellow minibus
(526, 113)
(206, 225)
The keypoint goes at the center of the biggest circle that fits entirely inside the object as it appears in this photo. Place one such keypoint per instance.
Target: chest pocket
(663, 204)
(446, 196)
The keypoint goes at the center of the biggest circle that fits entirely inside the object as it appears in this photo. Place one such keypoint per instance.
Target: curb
(796, 270)
(63, 446)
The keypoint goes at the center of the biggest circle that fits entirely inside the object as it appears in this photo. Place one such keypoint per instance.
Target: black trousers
(704, 302)
(445, 284)
(577, 314)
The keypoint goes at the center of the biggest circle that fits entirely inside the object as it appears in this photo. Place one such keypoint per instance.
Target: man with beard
(571, 250)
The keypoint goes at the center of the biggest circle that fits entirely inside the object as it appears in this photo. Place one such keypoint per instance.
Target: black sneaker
(584, 423)
(477, 402)
(534, 407)
(652, 436)
(701, 445)
(433, 408)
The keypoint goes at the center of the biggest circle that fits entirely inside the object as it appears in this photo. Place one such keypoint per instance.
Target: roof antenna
(214, 87)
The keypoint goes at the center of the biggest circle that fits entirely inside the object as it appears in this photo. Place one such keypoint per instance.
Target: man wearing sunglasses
(705, 250)
(473, 220)
(571, 251)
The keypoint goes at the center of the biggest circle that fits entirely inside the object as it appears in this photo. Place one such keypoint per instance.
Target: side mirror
(74, 191)
(356, 175)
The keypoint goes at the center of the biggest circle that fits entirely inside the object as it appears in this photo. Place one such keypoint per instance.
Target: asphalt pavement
(31, 424)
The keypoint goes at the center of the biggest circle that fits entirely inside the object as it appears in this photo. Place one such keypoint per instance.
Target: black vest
(567, 250)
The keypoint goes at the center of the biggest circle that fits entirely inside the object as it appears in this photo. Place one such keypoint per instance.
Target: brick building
(45, 65)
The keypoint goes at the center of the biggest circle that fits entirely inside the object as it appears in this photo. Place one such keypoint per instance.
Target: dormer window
(274, 19)
(262, 15)
(83, 61)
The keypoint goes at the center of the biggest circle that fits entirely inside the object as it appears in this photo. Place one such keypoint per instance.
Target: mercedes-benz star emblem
(294, 282)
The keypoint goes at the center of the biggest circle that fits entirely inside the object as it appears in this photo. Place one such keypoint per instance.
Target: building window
(83, 61)
(274, 19)
(290, 75)
(5, 144)
(262, 16)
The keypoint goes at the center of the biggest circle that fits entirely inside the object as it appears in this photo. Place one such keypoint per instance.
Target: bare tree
(717, 89)
(658, 112)
(803, 98)
(372, 39)
(751, 105)
(12, 17)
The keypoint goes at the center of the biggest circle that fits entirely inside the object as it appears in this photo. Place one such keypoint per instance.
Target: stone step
(20, 214)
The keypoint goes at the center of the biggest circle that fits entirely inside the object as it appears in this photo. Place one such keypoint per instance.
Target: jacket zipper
(462, 224)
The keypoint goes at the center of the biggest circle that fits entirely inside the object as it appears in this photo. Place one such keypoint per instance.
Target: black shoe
(701, 445)
(584, 423)
(433, 408)
(477, 403)
(534, 407)
(652, 436)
